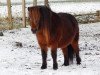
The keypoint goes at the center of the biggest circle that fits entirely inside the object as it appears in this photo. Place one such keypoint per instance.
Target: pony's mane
(45, 14)
(49, 19)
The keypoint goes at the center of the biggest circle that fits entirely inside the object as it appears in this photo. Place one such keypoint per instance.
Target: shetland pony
(55, 30)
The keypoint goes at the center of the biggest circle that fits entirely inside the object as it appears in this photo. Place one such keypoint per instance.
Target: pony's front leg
(44, 58)
(54, 57)
(65, 53)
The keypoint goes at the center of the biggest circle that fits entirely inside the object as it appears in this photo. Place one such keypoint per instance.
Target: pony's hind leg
(70, 52)
(54, 57)
(44, 57)
(65, 53)
(76, 48)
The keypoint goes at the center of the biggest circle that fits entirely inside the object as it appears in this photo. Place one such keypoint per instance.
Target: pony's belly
(58, 45)
(65, 42)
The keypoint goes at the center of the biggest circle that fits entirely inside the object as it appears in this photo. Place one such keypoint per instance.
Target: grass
(17, 23)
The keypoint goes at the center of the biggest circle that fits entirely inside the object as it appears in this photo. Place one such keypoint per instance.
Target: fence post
(24, 13)
(98, 15)
(46, 3)
(9, 14)
(34, 2)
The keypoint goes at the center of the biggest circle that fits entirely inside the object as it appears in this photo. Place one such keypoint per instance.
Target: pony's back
(68, 18)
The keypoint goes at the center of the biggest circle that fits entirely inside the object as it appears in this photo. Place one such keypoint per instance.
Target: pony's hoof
(78, 61)
(55, 66)
(65, 65)
(43, 67)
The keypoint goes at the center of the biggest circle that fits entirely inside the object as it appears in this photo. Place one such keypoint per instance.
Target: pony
(55, 30)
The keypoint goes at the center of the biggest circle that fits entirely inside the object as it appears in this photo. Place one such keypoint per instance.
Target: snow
(26, 60)
(77, 8)
(70, 7)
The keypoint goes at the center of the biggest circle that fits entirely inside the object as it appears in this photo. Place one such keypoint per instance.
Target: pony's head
(38, 16)
(34, 18)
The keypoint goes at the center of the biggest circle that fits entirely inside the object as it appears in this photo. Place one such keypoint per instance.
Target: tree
(34, 2)
(46, 3)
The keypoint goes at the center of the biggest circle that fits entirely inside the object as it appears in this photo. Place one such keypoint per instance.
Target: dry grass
(17, 23)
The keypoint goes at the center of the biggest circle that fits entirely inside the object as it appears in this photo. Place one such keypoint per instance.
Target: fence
(88, 17)
(11, 21)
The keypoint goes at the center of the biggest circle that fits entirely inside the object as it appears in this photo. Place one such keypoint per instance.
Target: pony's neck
(53, 25)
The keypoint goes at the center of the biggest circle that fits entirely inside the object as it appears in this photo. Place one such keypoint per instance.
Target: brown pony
(55, 30)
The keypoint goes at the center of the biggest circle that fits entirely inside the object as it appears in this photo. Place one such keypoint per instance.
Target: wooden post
(46, 3)
(24, 13)
(9, 14)
(34, 2)
(98, 15)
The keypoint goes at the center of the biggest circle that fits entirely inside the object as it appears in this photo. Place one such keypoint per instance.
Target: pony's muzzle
(34, 31)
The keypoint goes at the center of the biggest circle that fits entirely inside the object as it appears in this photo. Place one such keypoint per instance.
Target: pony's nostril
(34, 30)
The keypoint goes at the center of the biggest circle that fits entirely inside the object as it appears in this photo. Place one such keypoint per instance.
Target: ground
(25, 58)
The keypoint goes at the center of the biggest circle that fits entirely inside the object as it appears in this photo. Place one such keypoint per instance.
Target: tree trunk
(47, 3)
(34, 2)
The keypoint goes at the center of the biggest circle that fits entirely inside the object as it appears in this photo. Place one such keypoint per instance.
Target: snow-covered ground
(26, 60)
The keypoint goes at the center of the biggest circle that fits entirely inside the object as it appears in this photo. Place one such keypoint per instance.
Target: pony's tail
(70, 52)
